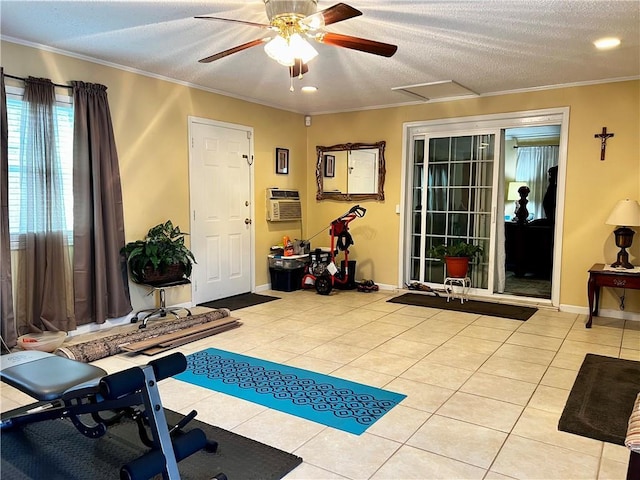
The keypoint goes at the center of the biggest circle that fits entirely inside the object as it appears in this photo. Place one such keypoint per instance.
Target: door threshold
(517, 300)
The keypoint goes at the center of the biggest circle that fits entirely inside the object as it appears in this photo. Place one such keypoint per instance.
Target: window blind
(64, 141)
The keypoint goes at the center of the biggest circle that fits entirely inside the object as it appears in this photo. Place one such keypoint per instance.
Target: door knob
(247, 221)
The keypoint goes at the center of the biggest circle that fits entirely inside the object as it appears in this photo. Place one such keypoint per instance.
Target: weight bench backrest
(45, 376)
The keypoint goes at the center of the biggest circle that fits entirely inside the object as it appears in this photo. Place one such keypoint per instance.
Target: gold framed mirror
(351, 171)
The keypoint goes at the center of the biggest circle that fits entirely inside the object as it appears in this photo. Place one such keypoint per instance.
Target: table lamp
(512, 194)
(625, 214)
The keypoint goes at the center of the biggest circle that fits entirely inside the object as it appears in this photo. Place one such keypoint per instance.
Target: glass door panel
(452, 203)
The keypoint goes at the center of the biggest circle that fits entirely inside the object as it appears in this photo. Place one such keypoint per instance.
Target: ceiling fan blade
(294, 71)
(230, 51)
(355, 43)
(338, 13)
(253, 24)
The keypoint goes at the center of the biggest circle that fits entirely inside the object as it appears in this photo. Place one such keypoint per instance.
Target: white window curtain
(44, 292)
(532, 166)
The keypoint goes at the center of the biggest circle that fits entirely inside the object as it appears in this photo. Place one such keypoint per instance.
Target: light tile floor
(484, 394)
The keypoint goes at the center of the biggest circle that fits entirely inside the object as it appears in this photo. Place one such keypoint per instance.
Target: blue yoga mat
(335, 402)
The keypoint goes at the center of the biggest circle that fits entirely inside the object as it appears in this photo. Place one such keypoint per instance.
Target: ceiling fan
(293, 21)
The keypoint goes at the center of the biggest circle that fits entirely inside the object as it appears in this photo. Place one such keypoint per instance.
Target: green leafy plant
(460, 249)
(162, 247)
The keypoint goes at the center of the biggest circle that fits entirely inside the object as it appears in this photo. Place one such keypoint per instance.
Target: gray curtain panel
(7, 322)
(44, 292)
(100, 272)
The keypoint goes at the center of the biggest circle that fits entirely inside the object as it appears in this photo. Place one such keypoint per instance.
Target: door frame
(252, 231)
(501, 121)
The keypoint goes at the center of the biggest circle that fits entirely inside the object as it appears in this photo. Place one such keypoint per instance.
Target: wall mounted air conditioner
(283, 205)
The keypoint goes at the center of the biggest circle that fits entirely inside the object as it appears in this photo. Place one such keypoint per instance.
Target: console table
(599, 277)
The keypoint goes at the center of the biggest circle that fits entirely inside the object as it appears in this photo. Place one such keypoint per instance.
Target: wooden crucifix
(603, 141)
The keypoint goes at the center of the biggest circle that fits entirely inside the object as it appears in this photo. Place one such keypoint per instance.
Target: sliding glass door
(455, 173)
(452, 200)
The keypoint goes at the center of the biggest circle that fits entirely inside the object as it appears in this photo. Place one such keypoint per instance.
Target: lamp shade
(626, 213)
(278, 49)
(512, 191)
(285, 51)
(302, 49)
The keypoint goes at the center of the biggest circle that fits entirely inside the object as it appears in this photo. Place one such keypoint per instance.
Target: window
(64, 122)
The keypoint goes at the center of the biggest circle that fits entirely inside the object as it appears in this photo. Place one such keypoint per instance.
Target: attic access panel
(435, 90)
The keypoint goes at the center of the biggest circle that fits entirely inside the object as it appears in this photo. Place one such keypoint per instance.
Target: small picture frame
(329, 166)
(282, 161)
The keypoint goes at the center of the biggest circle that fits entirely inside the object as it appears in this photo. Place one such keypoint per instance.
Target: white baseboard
(608, 313)
(111, 322)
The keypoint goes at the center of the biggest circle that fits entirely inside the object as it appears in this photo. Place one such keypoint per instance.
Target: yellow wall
(592, 187)
(150, 122)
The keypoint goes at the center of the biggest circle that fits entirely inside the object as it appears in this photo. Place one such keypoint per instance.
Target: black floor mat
(602, 398)
(501, 310)
(239, 301)
(54, 449)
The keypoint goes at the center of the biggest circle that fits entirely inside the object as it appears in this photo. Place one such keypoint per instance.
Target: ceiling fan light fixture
(286, 51)
(293, 22)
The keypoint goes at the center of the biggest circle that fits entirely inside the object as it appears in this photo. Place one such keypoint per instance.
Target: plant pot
(173, 273)
(457, 267)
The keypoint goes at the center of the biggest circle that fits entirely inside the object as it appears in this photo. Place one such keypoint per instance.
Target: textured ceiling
(486, 46)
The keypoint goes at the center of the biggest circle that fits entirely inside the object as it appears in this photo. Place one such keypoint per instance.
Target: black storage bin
(286, 280)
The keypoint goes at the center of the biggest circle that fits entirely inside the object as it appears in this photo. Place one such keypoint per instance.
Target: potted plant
(161, 257)
(456, 257)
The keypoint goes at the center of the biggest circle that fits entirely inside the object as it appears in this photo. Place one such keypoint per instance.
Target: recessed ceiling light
(607, 43)
(309, 88)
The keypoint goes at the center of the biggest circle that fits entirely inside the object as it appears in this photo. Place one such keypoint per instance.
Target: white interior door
(221, 209)
(363, 171)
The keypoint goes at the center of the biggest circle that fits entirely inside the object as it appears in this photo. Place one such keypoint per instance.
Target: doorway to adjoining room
(530, 171)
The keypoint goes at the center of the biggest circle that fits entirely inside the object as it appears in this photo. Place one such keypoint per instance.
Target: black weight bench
(93, 401)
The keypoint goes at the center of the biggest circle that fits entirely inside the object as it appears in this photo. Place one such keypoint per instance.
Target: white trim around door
(456, 126)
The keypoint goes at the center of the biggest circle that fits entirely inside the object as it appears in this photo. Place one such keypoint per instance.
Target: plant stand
(162, 310)
(463, 293)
